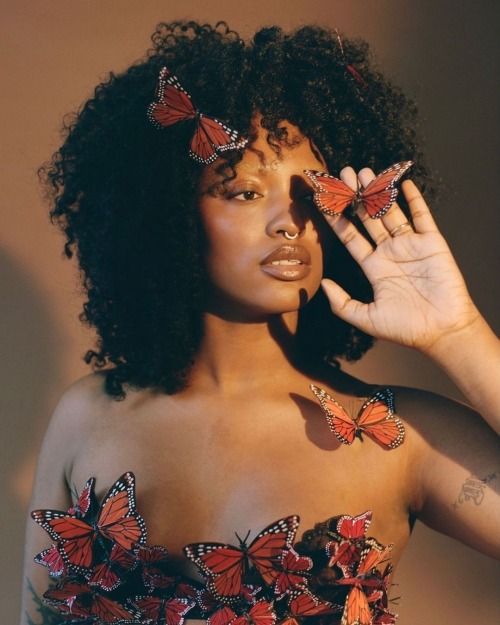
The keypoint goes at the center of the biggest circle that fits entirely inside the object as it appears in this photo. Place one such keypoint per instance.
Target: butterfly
(303, 603)
(162, 610)
(116, 520)
(357, 609)
(225, 565)
(375, 418)
(52, 559)
(352, 530)
(260, 613)
(85, 500)
(332, 196)
(294, 568)
(80, 600)
(174, 104)
(107, 574)
(152, 558)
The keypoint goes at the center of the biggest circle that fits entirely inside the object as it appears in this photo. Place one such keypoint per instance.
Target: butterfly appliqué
(333, 196)
(376, 418)
(174, 104)
(225, 565)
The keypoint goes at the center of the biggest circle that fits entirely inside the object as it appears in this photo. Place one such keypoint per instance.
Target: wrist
(472, 335)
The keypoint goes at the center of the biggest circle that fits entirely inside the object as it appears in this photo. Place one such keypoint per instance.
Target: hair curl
(124, 193)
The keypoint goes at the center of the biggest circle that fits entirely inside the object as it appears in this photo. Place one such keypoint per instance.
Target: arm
(50, 491)
(420, 297)
(455, 465)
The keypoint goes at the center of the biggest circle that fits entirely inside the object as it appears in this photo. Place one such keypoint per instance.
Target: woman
(203, 283)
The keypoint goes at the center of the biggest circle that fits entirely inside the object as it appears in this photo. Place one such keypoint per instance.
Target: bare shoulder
(73, 418)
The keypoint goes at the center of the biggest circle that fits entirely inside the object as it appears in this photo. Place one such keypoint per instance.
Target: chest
(204, 476)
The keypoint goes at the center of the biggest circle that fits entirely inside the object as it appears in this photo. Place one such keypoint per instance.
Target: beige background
(444, 53)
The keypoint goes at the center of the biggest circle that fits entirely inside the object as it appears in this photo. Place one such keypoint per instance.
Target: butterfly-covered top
(103, 571)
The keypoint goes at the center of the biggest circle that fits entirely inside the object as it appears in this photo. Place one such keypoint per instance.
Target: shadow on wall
(30, 375)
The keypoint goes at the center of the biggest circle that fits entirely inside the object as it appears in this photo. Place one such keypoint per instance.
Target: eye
(247, 196)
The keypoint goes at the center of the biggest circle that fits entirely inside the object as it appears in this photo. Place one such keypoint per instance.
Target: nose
(288, 215)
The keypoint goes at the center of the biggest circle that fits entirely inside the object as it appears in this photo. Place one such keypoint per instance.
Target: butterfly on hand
(332, 196)
(174, 104)
(376, 418)
(116, 520)
(225, 565)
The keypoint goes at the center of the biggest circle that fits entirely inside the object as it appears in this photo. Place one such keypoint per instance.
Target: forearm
(471, 358)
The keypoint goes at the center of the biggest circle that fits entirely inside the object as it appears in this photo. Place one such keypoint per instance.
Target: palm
(419, 292)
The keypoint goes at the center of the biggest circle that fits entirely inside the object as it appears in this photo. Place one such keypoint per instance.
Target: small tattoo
(473, 490)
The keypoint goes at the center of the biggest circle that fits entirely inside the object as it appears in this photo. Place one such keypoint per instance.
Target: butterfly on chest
(376, 418)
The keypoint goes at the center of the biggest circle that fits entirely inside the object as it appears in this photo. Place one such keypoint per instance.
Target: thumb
(350, 310)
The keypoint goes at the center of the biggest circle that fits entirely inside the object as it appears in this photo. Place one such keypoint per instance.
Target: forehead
(259, 158)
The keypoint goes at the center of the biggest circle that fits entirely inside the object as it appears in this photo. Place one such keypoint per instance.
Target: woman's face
(254, 269)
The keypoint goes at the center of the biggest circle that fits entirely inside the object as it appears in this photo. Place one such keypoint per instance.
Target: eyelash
(308, 197)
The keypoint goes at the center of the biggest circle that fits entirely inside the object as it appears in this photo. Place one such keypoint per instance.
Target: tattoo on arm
(45, 615)
(473, 489)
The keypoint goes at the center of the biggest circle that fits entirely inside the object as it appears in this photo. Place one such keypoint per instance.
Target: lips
(288, 262)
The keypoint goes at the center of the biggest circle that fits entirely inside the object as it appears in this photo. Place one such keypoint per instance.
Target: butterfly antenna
(243, 543)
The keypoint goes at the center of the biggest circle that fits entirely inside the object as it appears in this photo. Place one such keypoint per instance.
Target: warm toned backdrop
(444, 53)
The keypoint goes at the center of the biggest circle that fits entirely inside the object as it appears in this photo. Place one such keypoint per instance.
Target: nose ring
(289, 236)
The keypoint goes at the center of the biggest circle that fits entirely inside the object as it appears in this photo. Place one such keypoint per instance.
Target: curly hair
(124, 193)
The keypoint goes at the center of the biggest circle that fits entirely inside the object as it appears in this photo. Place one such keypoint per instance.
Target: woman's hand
(420, 296)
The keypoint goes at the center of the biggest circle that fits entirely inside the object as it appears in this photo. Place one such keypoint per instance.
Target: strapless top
(102, 571)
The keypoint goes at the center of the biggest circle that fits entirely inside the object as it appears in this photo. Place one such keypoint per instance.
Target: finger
(357, 245)
(394, 217)
(348, 175)
(420, 213)
(350, 310)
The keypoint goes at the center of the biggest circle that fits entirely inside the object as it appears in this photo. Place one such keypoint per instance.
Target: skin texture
(245, 443)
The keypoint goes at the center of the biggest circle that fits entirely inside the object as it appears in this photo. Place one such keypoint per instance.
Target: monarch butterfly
(332, 196)
(52, 559)
(161, 610)
(80, 600)
(303, 603)
(116, 520)
(152, 559)
(260, 613)
(107, 574)
(294, 569)
(225, 564)
(346, 552)
(357, 609)
(375, 418)
(174, 104)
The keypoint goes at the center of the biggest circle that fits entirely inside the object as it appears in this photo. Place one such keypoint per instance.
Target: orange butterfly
(174, 104)
(332, 196)
(357, 609)
(375, 418)
(116, 520)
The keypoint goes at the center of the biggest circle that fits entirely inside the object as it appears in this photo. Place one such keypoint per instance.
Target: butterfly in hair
(333, 196)
(225, 565)
(376, 418)
(115, 520)
(174, 104)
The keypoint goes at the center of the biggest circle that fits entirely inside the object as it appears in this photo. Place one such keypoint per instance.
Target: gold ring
(394, 231)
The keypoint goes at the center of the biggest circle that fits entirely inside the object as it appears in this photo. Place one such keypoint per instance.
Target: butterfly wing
(160, 610)
(331, 195)
(378, 420)
(118, 519)
(294, 567)
(339, 422)
(75, 536)
(222, 616)
(173, 102)
(85, 500)
(107, 575)
(267, 549)
(304, 603)
(261, 613)
(352, 527)
(222, 564)
(380, 194)
(52, 559)
(356, 610)
(211, 137)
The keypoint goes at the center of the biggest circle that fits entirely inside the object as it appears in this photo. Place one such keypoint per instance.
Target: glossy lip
(288, 263)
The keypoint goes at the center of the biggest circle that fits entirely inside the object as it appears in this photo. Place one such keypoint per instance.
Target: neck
(239, 356)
